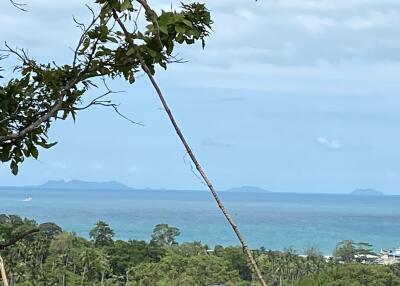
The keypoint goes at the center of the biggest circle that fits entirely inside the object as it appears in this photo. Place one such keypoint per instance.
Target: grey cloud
(301, 32)
(231, 99)
(211, 143)
(310, 45)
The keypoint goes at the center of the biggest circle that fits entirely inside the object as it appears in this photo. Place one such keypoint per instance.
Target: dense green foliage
(54, 257)
(282, 267)
(353, 275)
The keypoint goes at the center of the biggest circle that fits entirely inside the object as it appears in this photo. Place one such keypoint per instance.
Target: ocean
(273, 220)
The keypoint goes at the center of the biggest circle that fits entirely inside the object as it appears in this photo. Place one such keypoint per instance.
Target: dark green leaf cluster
(350, 251)
(101, 234)
(282, 267)
(26, 100)
(165, 235)
(353, 275)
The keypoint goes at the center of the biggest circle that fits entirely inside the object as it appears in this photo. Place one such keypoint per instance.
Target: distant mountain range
(114, 185)
(83, 185)
(248, 189)
(366, 192)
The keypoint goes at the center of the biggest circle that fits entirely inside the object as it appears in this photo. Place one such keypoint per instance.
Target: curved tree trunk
(252, 262)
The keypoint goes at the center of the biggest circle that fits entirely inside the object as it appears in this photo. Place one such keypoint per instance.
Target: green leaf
(131, 79)
(103, 32)
(187, 23)
(46, 145)
(127, 4)
(163, 29)
(130, 52)
(34, 152)
(180, 29)
(26, 153)
(14, 167)
(85, 45)
(164, 65)
(112, 39)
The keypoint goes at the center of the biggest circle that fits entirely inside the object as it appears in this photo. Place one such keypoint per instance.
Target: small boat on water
(27, 199)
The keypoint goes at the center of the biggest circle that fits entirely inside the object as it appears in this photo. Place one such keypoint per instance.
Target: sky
(288, 95)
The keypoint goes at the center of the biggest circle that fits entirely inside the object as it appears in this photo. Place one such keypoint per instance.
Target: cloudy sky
(289, 95)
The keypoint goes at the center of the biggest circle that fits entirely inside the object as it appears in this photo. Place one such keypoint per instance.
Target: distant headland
(83, 185)
(248, 189)
(366, 192)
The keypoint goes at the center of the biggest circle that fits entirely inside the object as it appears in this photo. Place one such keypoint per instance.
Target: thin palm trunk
(189, 151)
(3, 272)
(83, 275)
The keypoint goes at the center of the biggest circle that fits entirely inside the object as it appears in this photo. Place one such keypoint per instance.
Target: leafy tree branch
(29, 105)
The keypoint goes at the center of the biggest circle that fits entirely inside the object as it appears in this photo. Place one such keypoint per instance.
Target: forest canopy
(56, 257)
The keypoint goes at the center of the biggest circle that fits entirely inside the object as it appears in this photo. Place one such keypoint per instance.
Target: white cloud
(98, 166)
(133, 169)
(314, 24)
(269, 45)
(329, 143)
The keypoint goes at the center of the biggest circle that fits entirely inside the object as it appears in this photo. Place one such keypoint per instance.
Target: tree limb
(52, 112)
(20, 236)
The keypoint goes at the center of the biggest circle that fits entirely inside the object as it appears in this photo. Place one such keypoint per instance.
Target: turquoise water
(272, 220)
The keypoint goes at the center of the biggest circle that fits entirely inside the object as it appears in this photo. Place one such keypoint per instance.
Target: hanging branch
(192, 156)
(100, 101)
(18, 237)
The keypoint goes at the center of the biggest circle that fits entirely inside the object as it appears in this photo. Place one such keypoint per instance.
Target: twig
(193, 170)
(18, 5)
(17, 51)
(175, 59)
(136, 19)
(108, 103)
(85, 30)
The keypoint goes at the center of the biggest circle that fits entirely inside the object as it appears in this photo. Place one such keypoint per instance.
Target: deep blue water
(272, 220)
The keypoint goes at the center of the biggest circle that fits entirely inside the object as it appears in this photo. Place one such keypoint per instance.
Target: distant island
(83, 185)
(248, 189)
(366, 192)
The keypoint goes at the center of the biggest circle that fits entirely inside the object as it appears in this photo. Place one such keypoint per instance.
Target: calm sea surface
(272, 220)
